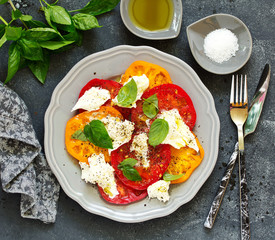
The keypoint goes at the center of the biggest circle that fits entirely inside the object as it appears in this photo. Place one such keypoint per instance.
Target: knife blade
(254, 113)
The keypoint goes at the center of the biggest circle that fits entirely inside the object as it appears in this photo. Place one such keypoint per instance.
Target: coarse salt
(220, 45)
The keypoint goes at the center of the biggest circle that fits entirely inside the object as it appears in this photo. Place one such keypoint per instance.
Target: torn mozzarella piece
(100, 172)
(92, 99)
(179, 134)
(140, 146)
(159, 190)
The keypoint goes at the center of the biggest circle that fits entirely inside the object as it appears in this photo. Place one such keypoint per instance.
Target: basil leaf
(127, 94)
(79, 135)
(13, 33)
(131, 173)
(30, 49)
(59, 15)
(128, 161)
(97, 134)
(15, 14)
(170, 177)
(14, 61)
(158, 132)
(96, 7)
(40, 34)
(53, 45)
(34, 23)
(75, 36)
(3, 40)
(40, 68)
(150, 106)
(26, 18)
(2, 30)
(3, 1)
(84, 21)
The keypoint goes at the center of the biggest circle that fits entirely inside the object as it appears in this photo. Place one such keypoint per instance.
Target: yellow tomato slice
(82, 150)
(184, 161)
(157, 75)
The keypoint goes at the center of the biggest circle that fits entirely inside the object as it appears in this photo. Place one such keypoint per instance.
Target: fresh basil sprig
(97, 134)
(150, 106)
(128, 170)
(36, 40)
(158, 132)
(127, 94)
(170, 177)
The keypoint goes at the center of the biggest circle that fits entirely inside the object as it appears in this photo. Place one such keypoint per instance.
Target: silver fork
(238, 113)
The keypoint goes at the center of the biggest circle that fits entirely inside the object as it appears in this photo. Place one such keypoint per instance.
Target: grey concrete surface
(73, 222)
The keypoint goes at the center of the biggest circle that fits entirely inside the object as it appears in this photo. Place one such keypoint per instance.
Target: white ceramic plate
(106, 64)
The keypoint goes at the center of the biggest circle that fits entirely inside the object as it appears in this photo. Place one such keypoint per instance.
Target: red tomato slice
(159, 160)
(113, 87)
(126, 194)
(170, 96)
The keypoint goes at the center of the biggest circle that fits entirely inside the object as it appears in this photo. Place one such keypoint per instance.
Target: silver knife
(254, 113)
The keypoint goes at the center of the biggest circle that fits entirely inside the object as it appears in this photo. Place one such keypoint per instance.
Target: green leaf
(96, 7)
(40, 34)
(15, 14)
(84, 21)
(40, 68)
(127, 94)
(53, 45)
(35, 24)
(13, 33)
(30, 49)
(131, 173)
(158, 132)
(26, 18)
(2, 30)
(14, 61)
(79, 135)
(59, 15)
(170, 177)
(75, 36)
(97, 134)
(3, 40)
(3, 1)
(128, 161)
(150, 106)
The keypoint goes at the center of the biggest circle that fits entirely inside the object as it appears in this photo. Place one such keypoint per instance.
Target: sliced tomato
(113, 87)
(126, 194)
(159, 158)
(170, 96)
(82, 150)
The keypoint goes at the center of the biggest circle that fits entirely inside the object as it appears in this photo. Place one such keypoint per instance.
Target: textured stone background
(73, 222)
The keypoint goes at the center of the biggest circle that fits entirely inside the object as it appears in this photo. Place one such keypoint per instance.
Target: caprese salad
(134, 137)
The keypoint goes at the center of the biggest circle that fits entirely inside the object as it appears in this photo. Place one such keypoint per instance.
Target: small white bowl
(196, 32)
(172, 32)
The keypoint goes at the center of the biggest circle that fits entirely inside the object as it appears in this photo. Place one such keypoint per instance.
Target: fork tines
(243, 90)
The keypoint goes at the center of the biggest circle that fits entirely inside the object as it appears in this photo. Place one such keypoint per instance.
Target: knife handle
(245, 226)
(210, 219)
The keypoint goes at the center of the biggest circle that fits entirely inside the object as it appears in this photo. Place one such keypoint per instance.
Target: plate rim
(102, 211)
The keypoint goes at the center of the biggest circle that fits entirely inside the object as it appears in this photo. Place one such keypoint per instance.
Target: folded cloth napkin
(23, 168)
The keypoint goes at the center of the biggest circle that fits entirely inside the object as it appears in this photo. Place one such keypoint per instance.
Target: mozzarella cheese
(179, 134)
(140, 146)
(142, 84)
(119, 131)
(159, 190)
(92, 99)
(100, 172)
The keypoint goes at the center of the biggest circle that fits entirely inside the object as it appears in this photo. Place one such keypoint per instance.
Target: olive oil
(152, 15)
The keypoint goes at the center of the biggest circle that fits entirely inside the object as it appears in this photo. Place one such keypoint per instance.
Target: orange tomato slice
(184, 161)
(82, 150)
(157, 75)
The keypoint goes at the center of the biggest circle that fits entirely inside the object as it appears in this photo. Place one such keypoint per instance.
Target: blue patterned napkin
(23, 168)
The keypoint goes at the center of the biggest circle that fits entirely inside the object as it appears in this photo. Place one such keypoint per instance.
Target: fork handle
(210, 219)
(245, 226)
(240, 137)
